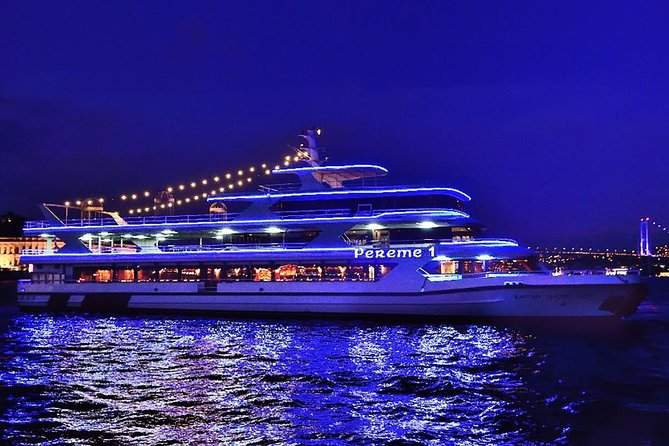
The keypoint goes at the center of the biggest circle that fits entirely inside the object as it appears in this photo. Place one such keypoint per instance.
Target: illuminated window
(146, 275)
(262, 274)
(124, 275)
(214, 274)
(472, 267)
(285, 273)
(237, 273)
(511, 265)
(309, 273)
(103, 275)
(359, 272)
(84, 275)
(448, 267)
(334, 273)
(168, 274)
(190, 274)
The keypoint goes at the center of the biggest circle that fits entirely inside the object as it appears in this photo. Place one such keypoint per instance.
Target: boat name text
(398, 253)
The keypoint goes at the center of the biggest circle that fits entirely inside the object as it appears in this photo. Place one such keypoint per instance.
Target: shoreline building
(11, 247)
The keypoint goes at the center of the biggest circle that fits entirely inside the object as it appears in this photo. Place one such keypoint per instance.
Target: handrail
(236, 246)
(177, 248)
(213, 217)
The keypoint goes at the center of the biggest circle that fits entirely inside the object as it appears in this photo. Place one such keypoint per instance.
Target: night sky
(554, 116)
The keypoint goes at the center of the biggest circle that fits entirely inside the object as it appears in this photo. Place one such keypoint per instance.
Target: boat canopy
(333, 176)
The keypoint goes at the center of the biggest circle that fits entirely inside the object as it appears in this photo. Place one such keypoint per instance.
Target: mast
(312, 146)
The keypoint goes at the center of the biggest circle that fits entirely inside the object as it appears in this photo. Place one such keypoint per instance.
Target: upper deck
(328, 206)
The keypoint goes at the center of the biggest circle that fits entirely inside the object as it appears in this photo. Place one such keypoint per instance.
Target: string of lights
(187, 192)
(599, 251)
(658, 226)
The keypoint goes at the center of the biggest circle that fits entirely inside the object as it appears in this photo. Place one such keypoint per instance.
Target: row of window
(480, 266)
(235, 273)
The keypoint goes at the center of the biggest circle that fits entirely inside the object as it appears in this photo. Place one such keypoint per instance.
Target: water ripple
(80, 379)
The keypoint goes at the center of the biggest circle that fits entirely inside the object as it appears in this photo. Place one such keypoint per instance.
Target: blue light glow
(483, 243)
(184, 254)
(449, 190)
(331, 168)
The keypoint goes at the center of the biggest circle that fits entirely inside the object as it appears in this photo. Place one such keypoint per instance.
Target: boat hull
(593, 300)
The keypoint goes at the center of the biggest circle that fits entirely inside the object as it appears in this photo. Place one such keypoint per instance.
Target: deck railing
(213, 217)
(229, 247)
(223, 247)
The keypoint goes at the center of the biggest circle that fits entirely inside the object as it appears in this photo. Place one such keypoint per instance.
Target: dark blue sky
(553, 115)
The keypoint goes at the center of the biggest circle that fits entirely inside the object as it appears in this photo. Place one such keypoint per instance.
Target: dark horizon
(553, 117)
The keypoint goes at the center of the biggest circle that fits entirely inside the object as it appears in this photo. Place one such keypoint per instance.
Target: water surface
(91, 379)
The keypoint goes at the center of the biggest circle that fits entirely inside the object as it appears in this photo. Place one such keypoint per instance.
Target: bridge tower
(644, 241)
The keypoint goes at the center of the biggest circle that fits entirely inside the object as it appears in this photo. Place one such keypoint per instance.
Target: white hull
(600, 298)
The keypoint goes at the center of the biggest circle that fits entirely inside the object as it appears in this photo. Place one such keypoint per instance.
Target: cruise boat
(328, 240)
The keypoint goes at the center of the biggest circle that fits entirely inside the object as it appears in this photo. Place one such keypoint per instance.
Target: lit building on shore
(10, 251)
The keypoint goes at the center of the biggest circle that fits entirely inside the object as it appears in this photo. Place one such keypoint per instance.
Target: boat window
(84, 274)
(448, 267)
(237, 273)
(48, 278)
(214, 273)
(190, 273)
(334, 273)
(124, 275)
(168, 274)
(102, 275)
(362, 272)
(146, 275)
(285, 273)
(512, 265)
(364, 209)
(262, 274)
(309, 273)
(472, 267)
(385, 269)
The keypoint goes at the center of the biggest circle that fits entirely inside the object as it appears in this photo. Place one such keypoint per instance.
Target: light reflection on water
(90, 379)
(242, 381)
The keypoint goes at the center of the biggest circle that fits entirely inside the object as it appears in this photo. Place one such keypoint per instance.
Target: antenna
(312, 146)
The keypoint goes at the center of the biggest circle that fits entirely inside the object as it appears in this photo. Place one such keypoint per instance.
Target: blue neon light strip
(454, 192)
(182, 253)
(147, 226)
(222, 253)
(482, 243)
(331, 168)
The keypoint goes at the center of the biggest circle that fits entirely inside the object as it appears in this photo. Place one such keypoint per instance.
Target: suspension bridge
(645, 249)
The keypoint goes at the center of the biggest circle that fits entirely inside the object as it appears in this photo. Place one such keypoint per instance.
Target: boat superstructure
(331, 240)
